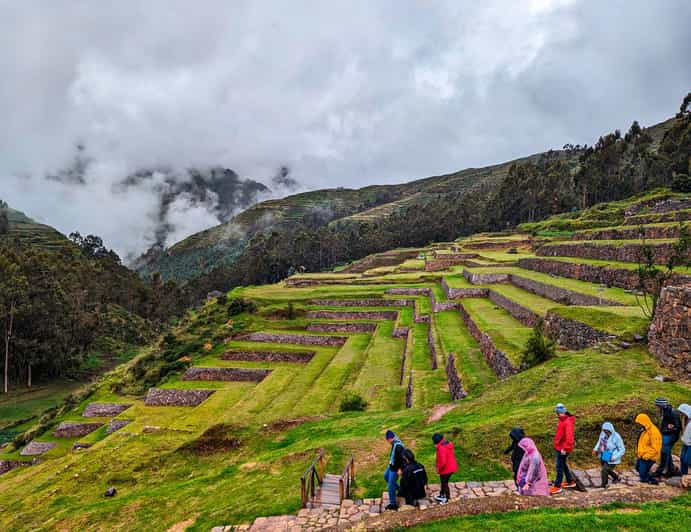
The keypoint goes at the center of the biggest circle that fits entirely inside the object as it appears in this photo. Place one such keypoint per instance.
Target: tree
(539, 348)
(680, 183)
(4, 221)
(13, 287)
(684, 108)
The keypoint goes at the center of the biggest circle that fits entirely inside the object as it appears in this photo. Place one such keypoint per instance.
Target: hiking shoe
(616, 480)
(392, 507)
(554, 490)
(441, 499)
(571, 484)
(653, 481)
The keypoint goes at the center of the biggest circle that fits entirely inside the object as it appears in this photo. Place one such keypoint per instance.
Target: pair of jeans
(643, 468)
(562, 469)
(607, 471)
(444, 479)
(391, 478)
(666, 464)
(685, 459)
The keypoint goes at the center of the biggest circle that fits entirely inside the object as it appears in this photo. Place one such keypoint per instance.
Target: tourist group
(407, 478)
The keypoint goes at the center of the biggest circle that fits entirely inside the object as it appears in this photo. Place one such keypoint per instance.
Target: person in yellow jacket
(648, 448)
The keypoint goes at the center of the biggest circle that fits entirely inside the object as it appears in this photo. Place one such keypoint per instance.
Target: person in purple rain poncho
(532, 474)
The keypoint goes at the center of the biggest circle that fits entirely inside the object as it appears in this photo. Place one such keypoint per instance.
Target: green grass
(672, 515)
(624, 322)
(23, 403)
(608, 263)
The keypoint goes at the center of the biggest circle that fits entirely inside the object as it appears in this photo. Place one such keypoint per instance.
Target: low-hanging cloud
(339, 93)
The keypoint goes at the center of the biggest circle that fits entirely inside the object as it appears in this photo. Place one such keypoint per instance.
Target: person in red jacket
(563, 446)
(446, 466)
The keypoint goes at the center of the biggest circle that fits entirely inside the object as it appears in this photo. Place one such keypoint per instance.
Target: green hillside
(267, 369)
(31, 233)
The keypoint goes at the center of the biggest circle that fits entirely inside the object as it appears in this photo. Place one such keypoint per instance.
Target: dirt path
(439, 411)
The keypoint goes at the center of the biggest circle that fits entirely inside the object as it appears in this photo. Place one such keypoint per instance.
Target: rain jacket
(446, 458)
(686, 437)
(670, 417)
(649, 441)
(517, 453)
(532, 470)
(564, 437)
(413, 483)
(615, 444)
(396, 455)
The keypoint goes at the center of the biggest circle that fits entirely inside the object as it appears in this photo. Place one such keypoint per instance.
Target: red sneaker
(554, 490)
(571, 484)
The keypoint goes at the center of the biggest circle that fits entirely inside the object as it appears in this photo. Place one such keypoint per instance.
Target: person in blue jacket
(610, 448)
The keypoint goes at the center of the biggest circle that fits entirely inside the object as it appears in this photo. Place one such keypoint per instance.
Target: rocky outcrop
(558, 294)
(34, 448)
(301, 357)
(526, 316)
(298, 339)
(573, 334)
(496, 358)
(105, 409)
(69, 429)
(117, 424)
(226, 374)
(167, 397)
(485, 278)
(669, 337)
(455, 386)
(342, 327)
(458, 293)
(631, 252)
(353, 315)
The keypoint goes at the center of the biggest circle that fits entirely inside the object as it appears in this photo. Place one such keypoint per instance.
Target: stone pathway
(466, 497)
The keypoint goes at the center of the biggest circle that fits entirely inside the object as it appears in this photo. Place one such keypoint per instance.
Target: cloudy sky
(344, 93)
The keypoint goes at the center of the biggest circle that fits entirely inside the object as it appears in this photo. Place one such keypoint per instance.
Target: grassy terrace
(507, 333)
(613, 294)
(458, 281)
(618, 243)
(503, 255)
(608, 263)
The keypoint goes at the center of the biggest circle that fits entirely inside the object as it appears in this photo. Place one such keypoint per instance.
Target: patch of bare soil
(216, 439)
(440, 411)
(284, 424)
(183, 525)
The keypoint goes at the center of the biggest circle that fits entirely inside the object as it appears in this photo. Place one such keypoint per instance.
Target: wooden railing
(312, 479)
(345, 483)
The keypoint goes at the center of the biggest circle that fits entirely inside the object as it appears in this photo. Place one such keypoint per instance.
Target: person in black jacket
(517, 453)
(670, 428)
(413, 480)
(394, 468)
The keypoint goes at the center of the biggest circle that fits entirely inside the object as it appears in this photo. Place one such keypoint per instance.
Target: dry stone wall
(432, 346)
(677, 216)
(573, 334)
(9, 465)
(455, 385)
(69, 429)
(301, 357)
(226, 374)
(525, 316)
(409, 392)
(105, 409)
(485, 278)
(496, 358)
(167, 397)
(458, 293)
(558, 294)
(632, 233)
(370, 302)
(434, 265)
(34, 448)
(669, 337)
(353, 314)
(117, 424)
(400, 332)
(408, 291)
(497, 245)
(342, 327)
(299, 339)
(622, 253)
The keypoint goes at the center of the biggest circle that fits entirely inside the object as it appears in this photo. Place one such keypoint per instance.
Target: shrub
(239, 305)
(353, 403)
(681, 183)
(290, 311)
(539, 348)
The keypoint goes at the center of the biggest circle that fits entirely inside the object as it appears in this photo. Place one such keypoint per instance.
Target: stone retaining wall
(226, 374)
(633, 233)
(301, 357)
(526, 316)
(370, 302)
(459, 293)
(621, 253)
(440, 306)
(408, 291)
(680, 216)
(573, 334)
(455, 385)
(342, 327)
(353, 314)
(485, 278)
(117, 424)
(452, 256)
(299, 339)
(70, 429)
(496, 358)
(35, 448)
(560, 295)
(400, 332)
(434, 265)
(104, 409)
(409, 392)
(497, 245)
(9, 465)
(432, 346)
(669, 337)
(166, 397)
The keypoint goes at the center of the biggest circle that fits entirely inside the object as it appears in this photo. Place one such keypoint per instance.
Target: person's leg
(392, 487)
(665, 455)
(685, 459)
(604, 473)
(612, 473)
(644, 471)
(443, 481)
(447, 490)
(567, 471)
(560, 469)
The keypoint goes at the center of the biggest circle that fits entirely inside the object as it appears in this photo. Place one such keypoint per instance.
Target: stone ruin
(34, 448)
(105, 409)
(300, 357)
(117, 424)
(226, 374)
(342, 327)
(71, 429)
(669, 337)
(299, 339)
(376, 315)
(167, 397)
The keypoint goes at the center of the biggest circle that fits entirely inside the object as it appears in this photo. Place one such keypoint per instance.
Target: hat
(390, 435)
(437, 437)
(560, 408)
(661, 402)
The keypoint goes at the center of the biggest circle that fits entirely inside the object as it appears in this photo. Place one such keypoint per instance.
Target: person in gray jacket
(685, 456)
(610, 448)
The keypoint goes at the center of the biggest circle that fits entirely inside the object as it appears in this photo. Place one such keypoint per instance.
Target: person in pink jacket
(532, 474)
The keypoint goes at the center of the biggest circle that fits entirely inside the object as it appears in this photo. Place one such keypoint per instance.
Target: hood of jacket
(608, 427)
(644, 420)
(528, 445)
(517, 434)
(685, 409)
